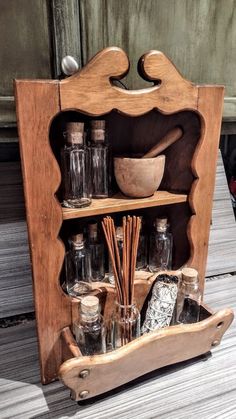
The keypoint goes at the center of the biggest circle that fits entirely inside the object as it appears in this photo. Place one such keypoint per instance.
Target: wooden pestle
(170, 138)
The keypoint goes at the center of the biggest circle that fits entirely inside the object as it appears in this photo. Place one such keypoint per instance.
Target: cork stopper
(161, 224)
(75, 132)
(119, 233)
(189, 275)
(90, 305)
(77, 238)
(98, 124)
(98, 130)
(93, 230)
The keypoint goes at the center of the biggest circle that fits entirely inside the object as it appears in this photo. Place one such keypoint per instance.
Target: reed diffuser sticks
(124, 270)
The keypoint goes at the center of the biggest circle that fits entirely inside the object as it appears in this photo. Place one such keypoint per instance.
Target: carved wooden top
(91, 89)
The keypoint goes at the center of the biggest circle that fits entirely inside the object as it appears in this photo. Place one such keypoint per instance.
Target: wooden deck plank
(222, 250)
(188, 390)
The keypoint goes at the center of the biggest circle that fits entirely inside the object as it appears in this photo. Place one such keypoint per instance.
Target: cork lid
(189, 275)
(93, 227)
(75, 132)
(161, 223)
(119, 233)
(98, 130)
(90, 305)
(93, 230)
(98, 124)
(78, 238)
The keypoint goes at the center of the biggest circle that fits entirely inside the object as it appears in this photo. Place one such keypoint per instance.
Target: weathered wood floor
(200, 389)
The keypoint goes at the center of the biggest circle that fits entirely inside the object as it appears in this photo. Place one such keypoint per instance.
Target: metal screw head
(215, 343)
(83, 394)
(69, 65)
(84, 373)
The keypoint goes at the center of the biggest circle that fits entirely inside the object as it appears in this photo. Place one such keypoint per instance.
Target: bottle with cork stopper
(75, 167)
(96, 248)
(100, 161)
(89, 330)
(78, 267)
(160, 248)
(189, 297)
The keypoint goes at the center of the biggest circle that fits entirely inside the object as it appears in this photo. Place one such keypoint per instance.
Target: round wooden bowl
(139, 178)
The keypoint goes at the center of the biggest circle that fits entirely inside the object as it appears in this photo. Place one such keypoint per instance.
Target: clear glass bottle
(120, 239)
(96, 248)
(78, 267)
(126, 324)
(74, 166)
(142, 248)
(89, 330)
(160, 250)
(99, 161)
(189, 298)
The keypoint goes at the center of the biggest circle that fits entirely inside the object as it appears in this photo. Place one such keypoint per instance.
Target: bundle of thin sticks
(124, 270)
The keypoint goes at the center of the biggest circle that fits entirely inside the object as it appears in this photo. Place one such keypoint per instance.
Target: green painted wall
(198, 35)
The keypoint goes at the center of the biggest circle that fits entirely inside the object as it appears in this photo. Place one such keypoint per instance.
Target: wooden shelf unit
(136, 120)
(120, 203)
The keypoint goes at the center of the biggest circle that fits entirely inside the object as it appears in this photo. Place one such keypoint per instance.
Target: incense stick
(123, 267)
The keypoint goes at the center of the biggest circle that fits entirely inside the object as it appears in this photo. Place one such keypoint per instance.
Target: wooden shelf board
(120, 202)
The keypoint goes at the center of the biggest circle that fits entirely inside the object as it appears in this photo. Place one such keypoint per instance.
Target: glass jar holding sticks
(126, 320)
(126, 324)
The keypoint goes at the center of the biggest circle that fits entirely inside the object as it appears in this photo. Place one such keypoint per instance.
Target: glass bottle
(142, 248)
(74, 162)
(160, 250)
(120, 239)
(99, 161)
(78, 267)
(89, 330)
(96, 248)
(189, 298)
(126, 324)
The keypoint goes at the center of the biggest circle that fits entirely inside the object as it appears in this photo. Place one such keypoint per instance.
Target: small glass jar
(90, 330)
(189, 298)
(78, 267)
(74, 167)
(126, 324)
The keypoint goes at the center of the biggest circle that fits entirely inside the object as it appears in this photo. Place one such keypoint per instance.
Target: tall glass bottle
(142, 248)
(99, 161)
(96, 248)
(189, 298)
(74, 162)
(78, 267)
(160, 250)
(89, 330)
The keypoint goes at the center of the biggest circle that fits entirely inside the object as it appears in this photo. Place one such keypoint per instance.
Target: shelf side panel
(37, 103)
(210, 106)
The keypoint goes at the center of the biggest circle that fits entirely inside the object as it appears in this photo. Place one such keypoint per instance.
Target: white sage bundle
(162, 303)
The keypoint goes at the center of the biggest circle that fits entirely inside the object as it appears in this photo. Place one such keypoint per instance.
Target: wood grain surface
(209, 387)
(158, 349)
(44, 216)
(120, 202)
(210, 103)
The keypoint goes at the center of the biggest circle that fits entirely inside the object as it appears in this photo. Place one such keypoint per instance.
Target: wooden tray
(89, 376)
